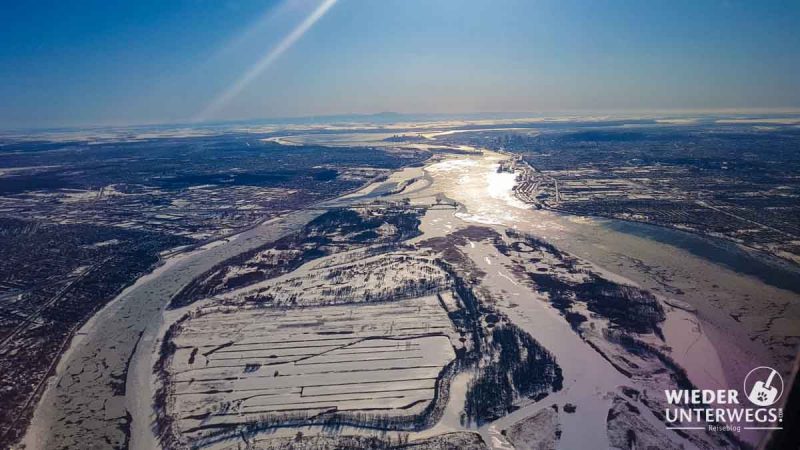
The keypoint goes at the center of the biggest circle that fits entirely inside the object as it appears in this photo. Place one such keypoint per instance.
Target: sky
(114, 62)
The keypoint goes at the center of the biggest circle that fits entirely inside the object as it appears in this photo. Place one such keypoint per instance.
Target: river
(81, 408)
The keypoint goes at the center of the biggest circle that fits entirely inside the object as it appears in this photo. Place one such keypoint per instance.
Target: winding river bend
(767, 269)
(85, 405)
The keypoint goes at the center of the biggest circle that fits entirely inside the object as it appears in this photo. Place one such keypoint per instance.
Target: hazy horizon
(788, 116)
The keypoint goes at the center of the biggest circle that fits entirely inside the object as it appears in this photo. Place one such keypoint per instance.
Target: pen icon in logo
(766, 386)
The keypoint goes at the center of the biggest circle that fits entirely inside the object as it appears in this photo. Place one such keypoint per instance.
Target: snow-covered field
(235, 368)
(378, 278)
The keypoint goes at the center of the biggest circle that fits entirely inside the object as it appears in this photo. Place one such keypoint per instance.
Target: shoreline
(714, 290)
(39, 429)
(793, 263)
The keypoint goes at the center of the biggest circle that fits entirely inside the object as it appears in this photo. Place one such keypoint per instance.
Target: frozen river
(86, 401)
(736, 294)
(84, 404)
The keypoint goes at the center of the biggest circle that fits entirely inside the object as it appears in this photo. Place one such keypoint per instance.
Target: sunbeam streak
(265, 61)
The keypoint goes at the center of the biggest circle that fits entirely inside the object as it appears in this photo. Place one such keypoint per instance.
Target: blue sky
(112, 62)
